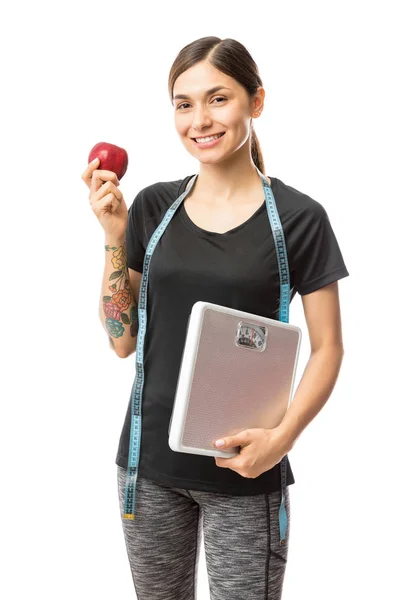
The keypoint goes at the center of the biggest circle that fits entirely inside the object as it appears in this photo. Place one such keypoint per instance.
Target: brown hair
(231, 58)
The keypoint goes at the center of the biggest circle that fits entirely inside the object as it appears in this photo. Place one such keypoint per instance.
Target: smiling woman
(218, 245)
(207, 112)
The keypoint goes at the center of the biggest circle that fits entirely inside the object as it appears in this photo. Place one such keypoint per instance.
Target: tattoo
(121, 298)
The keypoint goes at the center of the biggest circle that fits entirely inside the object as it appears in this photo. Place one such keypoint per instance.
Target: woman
(218, 247)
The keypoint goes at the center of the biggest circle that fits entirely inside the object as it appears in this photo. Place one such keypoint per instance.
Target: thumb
(230, 441)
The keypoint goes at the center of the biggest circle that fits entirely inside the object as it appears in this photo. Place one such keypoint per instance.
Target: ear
(258, 102)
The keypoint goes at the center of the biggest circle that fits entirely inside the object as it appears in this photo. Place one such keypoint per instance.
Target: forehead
(198, 79)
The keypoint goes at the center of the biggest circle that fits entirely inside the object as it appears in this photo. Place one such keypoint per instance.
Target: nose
(201, 119)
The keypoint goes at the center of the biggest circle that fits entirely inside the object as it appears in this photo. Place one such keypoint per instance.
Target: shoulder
(294, 205)
(154, 200)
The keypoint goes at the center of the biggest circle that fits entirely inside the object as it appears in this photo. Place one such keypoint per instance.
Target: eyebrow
(211, 91)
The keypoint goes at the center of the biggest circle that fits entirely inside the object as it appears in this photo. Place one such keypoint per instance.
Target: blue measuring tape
(136, 419)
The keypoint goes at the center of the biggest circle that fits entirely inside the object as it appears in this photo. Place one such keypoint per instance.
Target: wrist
(112, 240)
(285, 438)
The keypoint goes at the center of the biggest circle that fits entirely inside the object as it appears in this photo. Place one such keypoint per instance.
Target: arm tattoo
(121, 298)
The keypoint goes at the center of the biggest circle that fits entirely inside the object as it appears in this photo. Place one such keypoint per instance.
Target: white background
(78, 73)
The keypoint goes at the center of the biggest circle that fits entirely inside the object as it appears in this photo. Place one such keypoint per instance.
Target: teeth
(208, 139)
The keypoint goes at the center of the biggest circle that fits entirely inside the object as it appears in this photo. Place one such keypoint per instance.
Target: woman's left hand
(261, 449)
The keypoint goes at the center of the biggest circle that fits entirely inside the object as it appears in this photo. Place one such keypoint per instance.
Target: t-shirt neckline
(204, 232)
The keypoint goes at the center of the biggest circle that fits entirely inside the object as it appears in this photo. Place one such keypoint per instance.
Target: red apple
(112, 158)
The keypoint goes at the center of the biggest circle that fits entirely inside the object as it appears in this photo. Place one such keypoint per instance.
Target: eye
(186, 103)
(219, 98)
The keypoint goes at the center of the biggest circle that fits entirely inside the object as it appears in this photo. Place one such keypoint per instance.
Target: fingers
(107, 188)
(87, 173)
(99, 177)
(94, 178)
(106, 204)
(109, 192)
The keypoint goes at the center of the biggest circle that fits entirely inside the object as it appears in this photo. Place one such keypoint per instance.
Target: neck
(228, 179)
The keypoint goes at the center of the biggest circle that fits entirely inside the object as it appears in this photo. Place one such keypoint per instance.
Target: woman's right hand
(106, 200)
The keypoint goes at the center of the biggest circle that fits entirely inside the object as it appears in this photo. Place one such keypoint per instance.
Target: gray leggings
(244, 558)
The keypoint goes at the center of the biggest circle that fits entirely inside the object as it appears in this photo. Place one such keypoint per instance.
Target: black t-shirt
(238, 269)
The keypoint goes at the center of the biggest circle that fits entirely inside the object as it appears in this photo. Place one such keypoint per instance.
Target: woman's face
(227, 110)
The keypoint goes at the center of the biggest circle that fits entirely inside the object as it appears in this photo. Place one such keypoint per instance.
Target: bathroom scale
(237, 372)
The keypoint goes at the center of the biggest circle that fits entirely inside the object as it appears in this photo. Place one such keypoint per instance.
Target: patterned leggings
(244, 558)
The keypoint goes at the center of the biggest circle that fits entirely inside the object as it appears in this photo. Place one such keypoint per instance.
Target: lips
(211, 135)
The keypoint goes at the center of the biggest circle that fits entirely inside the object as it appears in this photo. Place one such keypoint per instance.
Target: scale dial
(251, 336)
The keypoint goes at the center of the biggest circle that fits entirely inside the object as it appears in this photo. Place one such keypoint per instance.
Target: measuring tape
(136, 418)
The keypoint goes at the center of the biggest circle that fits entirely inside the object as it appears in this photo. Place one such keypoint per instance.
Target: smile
(209, 140)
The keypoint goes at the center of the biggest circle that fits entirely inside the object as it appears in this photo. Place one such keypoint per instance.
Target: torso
(223, 218)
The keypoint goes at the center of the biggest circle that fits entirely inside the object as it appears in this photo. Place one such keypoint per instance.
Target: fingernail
(219, 443)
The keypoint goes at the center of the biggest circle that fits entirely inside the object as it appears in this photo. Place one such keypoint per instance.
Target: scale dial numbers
(251, 336)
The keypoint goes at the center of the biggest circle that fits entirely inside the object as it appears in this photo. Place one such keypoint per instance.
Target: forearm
(118, 309)
(316, 385)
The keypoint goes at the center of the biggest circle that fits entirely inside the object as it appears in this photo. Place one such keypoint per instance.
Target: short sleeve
(315, 258)
(135, 250)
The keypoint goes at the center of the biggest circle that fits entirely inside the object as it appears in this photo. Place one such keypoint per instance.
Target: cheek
(237, 122)
(180, 124)
(240, 129)
(231, 115)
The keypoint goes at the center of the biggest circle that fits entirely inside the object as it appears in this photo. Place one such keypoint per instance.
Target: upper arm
(322, 314)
